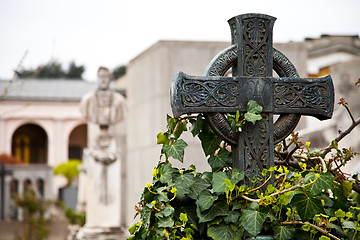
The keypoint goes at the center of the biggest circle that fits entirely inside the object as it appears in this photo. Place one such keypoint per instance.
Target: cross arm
(189, 94)
(4, 171)
(306, 96)
(205, 94)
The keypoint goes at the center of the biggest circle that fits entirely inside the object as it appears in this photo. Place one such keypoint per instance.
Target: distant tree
(53, 70)
(119, 71)
(25, 73)
(75, 72)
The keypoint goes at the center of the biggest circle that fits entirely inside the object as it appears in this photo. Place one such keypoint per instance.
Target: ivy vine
(310, 199)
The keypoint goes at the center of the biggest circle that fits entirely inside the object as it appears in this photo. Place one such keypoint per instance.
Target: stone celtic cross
(252, 59)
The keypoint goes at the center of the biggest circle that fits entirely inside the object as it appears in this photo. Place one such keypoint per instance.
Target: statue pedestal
(100, 190)
(101, 233)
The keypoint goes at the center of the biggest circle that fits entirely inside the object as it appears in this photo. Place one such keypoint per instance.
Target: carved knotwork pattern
(255, 38)
(302, 95)
(210, 94)
(256, 147)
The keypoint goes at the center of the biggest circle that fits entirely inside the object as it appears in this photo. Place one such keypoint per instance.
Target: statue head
(104, 78)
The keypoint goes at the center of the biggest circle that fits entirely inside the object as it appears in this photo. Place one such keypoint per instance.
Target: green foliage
(305, 201)
(175, 150)
(253, 112)
(75, 217)
(252, 221)
(307, 206)
(69, 170)
(252, 115)
(220, 160)
(53, 70)
(34, 209)
(75, 72)
(284, 232)
(119, 71)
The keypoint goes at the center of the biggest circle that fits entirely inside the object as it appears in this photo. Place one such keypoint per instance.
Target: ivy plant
(310, 199)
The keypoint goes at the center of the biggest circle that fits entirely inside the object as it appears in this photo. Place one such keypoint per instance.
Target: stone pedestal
(100, 192)
(94, 233)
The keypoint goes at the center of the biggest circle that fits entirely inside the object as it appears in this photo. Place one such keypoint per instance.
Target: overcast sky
(112, 32)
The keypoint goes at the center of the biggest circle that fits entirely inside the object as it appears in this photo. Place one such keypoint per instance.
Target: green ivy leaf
(206, 200)
(306, 227)
(233, 122)
(237, 116)
(324, 182)
(220, 160)
(190, 212)
(222, 232)
(176, 150)
(198, 186)
(334, 144)
(339, 213)
(209, 142)
(347, 187)
(348, 224)
(252, 117)
(254, 206)
(183, 217)
(254, 107)
(253, 112)
(339, 231)
(166, 222)
(252, 221)
(236, 205)
(232, 217)
(167, 173)
(162, 138)
(218, 182)
(237, 176)
(181, 127)
(207, 176)
(183, 183)
(217, 209)
(162, 197)
(306, 206)
(165, 212)
(133, 228)
(196, 125)
(284, 232)
(171, 122)
(145, 215)
(340, 196)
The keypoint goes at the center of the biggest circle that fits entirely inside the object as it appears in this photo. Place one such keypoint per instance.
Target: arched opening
(14, 188)
(29, 143)
(77, 142)
(14, 191)
(40, 185)
(27, 185)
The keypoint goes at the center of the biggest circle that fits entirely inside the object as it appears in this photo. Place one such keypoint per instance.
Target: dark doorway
(77, 142)
(29, 143)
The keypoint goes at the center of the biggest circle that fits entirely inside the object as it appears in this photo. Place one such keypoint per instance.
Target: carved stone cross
(3, 173)
(252, 59)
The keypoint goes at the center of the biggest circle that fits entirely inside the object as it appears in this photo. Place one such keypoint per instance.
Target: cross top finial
(253, 32)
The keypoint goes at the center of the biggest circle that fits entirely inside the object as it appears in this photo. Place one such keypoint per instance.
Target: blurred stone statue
(104, 106)
(100, 179)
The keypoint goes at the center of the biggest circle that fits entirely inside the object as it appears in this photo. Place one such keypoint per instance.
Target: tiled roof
(45, 89)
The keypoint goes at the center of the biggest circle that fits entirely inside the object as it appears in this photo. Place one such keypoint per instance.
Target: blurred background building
(41, 125)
